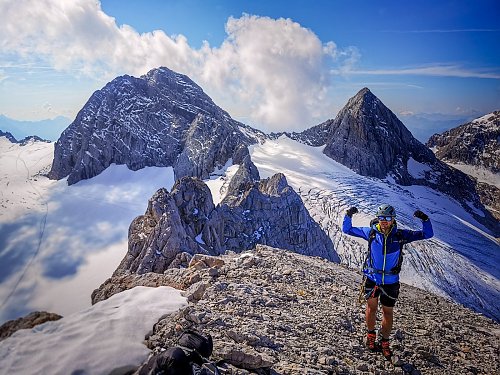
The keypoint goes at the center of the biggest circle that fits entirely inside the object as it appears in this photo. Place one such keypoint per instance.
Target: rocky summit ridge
(272, 311)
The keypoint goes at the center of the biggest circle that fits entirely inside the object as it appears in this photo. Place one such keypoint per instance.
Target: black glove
(351, 211)
(419, 214)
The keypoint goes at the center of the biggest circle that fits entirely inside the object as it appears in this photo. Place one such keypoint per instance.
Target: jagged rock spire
(186, 221)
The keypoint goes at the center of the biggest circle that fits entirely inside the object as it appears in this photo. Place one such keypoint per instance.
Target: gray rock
(490, 197)
(244, 177)
(185, 222)
(27, 322)
(368, 138)
(268, 212)
(164, 232)
(247, 359)
(195, 292)
(474, 143)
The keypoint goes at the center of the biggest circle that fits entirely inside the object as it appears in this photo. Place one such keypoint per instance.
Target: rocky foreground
(271, 311)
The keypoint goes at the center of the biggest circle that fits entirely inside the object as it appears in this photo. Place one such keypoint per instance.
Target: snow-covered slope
(58, 243)
(96, 340)
(461, 261)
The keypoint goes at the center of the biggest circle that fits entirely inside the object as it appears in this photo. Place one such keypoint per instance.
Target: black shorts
(388, 293)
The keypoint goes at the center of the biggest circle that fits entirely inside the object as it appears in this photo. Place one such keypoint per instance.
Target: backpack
(368, 265)
(197, 342)
(188, 357)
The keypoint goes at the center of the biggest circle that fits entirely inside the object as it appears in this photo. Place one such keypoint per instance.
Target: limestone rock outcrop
(475, 143)
(185, 221)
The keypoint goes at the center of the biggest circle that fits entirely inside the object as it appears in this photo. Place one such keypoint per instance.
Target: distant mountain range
(49, 129)
(23, 141)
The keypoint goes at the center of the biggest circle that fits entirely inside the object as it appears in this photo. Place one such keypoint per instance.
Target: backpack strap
(402, 242)
(368, 264)
(368, 259)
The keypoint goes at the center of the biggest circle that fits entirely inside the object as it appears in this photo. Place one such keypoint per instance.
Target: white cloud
(273, 72)
(276, 67)
(406, 113)
(439, 70)
(77, 34)
(434, 31)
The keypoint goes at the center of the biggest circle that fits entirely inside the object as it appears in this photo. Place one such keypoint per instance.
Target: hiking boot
(371, 338)
(386, 348)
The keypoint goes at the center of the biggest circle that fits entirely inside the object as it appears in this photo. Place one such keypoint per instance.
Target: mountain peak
(367, 137)
(364, 91)
(159, 119)
(166, 75)
(365, 102)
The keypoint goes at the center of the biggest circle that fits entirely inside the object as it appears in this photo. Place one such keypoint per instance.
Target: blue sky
(274, 65)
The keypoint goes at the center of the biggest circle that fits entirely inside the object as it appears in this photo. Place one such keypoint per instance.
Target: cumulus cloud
(78, 34)
(276, 67)
(273, 72)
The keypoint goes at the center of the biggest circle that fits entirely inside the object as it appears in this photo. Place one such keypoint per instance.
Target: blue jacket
(385, 250)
